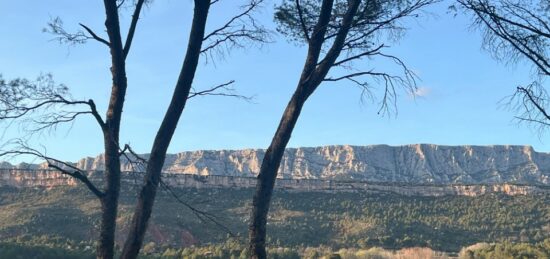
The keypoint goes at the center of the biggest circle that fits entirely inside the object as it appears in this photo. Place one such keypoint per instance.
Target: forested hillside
(62, 215)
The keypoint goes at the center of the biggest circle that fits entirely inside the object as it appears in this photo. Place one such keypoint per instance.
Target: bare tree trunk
(109, 202)
(111, 129)
(274, 154)
(105, 246)
(268, 174)
(164, 135)
(109, 205)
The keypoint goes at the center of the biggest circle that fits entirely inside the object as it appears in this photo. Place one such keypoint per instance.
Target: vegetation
(59, 248)
(507, 250)
(21, 251)
(353, 220)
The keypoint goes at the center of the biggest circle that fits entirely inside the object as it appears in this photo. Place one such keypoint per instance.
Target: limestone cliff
(417, 164)
(21, 178)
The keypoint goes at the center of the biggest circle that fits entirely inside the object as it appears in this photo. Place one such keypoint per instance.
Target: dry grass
(379, 253)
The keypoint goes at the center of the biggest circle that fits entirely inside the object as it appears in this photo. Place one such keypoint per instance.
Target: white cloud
(422, 92)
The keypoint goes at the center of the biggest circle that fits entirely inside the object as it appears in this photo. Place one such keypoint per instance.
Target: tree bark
(111, 130)
(268, 174)
(109, 202)
(164, 135)
(109, 206)
(312, 76)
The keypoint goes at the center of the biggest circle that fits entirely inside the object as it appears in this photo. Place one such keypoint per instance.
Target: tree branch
(220, 90)
(359, 56)
(529, 94)
(302, 22)
(133, 25)
(135, 161)
(94, 36)
(237, 30)
(55, 26)
(200, 214)
(20, 98)
(486, 9)
(81, 177)
(55, 163)
(511, 31)
(407, 80)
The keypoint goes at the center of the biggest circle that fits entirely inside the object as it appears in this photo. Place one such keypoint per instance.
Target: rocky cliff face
(20, 178)
(34, 178)
(417, 164)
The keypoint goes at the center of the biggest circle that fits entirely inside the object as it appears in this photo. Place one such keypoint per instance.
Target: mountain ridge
(414, 163)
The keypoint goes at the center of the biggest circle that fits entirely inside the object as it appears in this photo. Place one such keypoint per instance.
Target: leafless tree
(22, 98)
(43, 105)
(337, 33)
(515, 31)
(230, 34)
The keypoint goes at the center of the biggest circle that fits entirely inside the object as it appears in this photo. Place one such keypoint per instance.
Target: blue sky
(461, 85)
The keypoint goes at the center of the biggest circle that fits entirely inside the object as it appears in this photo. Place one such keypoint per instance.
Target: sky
(459, 101)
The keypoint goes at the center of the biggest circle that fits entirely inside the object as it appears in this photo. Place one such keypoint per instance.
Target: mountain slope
(343, 219)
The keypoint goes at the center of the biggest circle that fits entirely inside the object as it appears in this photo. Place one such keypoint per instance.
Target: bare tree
(515, 31)
(47, 105)
(237, 30)
(43, 105)
(337, 33)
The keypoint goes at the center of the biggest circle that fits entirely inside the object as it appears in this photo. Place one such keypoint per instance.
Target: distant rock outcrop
(415, 164)
(20, 178)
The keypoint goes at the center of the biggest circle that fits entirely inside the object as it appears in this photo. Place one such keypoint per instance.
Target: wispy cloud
(421, 92)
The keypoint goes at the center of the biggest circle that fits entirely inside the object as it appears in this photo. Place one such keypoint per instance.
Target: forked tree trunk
(312, 76)
(272, 159)
(164, 135)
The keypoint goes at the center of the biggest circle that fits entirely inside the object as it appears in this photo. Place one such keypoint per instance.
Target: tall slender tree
(337, 33)
(43, 105)
(233, 32)
(21, 98)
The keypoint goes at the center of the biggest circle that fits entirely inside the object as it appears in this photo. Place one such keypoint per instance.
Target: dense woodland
(56, 221)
